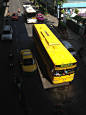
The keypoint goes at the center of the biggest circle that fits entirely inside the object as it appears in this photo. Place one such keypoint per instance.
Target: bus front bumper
(63, 80)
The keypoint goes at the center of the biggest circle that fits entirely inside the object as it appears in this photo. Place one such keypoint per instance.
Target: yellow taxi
(28, 61)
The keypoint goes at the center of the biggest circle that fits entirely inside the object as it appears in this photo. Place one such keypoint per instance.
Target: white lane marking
(16, 31)
(17, 50)
(15, 25)
(14, 8)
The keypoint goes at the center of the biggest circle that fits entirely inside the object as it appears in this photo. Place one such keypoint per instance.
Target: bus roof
(29, 8)
(55, 49)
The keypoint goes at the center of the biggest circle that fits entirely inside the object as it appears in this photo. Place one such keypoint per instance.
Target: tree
(60, 2)
(76, 11)
(62, 11)
(78, 18)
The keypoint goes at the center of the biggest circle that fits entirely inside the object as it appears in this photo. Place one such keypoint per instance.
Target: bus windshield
(59, 73)
(30, 15)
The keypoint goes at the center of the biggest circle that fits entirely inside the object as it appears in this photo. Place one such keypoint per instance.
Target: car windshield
(6, 32)
(71, 49)
(14, 15)
(29, 61)
(30, 15)
(40, 16)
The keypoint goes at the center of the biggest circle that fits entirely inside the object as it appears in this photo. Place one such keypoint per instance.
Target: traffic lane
(8, 80)
(39, 104)
(9, 95)
(11, 7)
(14, 4)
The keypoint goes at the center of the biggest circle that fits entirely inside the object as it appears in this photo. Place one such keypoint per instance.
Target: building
(70, 6)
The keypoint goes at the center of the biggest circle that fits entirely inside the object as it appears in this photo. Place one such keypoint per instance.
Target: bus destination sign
(66, 65)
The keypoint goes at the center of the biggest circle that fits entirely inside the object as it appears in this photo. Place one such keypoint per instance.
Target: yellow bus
(59, 62)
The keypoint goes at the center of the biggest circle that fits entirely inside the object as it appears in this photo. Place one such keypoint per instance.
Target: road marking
(15, 25)
(16, 31)
(17, 50)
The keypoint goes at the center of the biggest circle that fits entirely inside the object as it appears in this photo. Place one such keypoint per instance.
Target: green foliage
(62, 11)
(76, 11)
(63, 26)
(36, 3)
(43, 10)
(78, 18)
(40, 5)
(46, 12)
(72, 25)
(60, 2)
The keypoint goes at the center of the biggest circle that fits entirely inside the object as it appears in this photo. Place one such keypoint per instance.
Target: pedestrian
(8, 13)
(84, 36)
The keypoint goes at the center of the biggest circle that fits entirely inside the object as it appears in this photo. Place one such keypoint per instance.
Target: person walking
(83, 38)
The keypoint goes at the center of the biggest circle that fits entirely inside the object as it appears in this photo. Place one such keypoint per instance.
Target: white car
(70, 48)
(7, 33)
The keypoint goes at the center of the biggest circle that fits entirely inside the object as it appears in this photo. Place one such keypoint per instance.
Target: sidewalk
(6, 10)
(71, 35)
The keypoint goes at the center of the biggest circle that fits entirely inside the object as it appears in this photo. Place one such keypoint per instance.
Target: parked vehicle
(7, 33)
(11, 59)
(70, 48)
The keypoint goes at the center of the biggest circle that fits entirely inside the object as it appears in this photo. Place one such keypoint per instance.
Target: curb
(6, 10)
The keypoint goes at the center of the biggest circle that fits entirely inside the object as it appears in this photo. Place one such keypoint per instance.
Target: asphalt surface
(34, 99)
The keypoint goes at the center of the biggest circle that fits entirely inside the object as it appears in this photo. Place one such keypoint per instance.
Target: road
(71, 97)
